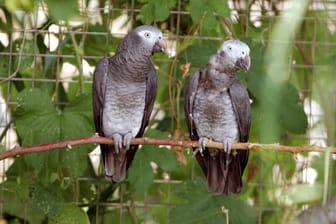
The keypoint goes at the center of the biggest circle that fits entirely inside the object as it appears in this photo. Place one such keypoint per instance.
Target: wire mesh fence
(54, 47)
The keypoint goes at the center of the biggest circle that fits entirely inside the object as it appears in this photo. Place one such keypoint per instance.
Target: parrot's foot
(117, 142)
(202, 142)
(228, 149)
(228, 143)
(127, 140)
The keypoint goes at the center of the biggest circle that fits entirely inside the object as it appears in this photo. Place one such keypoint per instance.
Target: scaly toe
(202, 143)
(117, 142)
(127, 140)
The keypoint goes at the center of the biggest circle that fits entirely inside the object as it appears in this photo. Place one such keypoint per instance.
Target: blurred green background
(48, 51)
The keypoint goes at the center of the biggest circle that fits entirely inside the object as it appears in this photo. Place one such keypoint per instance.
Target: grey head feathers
(145, 40)
(232, 56)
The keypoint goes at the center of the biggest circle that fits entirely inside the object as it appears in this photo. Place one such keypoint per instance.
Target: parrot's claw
(202, 142)
(127, 140)
(228, 143)
(117, 142)
(228, 149)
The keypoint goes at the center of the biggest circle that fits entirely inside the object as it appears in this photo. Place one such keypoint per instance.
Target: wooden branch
(151, 141)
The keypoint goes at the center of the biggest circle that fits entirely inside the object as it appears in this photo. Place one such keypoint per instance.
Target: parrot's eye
(147, 35)
(243, 52)
(230, 48)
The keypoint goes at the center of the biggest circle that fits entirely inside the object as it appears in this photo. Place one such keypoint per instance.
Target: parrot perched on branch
(124, 91)
(217, 107)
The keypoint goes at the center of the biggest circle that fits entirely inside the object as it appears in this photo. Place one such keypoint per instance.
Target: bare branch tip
(250, 146)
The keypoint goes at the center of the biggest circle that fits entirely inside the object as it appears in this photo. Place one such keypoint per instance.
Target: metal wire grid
(174, 34)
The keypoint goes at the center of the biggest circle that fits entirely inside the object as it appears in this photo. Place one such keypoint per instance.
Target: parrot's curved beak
(244, 62)
(160, 46)
(247, 62)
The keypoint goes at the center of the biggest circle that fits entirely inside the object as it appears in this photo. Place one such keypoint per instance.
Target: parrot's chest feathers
(124, 107)
(214, 115)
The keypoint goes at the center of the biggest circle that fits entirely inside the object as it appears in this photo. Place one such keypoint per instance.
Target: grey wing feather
(241, 104)
(98, 93)
(189, 97)
(151, 90)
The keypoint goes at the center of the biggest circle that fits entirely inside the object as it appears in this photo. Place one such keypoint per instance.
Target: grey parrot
(217, 107)
(124, 91)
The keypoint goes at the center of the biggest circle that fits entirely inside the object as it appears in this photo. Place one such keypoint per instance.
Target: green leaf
(155, 133)
(207, 9)
(140, 174)
(71, 214)
(297, 121)
(221, 7)
(162, 9)
(33, 101)
(62, 9)
(19, 62)
(26, 5)
(38, 121)
(164, 157)
(93, 44)
(303, 193)
(203, 207)
(155, 11)
(116, 216)
(198, 54)
(48, 202)
(209, 22)
(18, 203)
(197, 8)
(147, 12)
(287, 112)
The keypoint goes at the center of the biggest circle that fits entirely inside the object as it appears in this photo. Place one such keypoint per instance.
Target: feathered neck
(131, 65)
(216, 80)
(220, 64)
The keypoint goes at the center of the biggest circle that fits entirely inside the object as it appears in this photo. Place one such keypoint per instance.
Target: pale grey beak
(244, 63)
(160, 46)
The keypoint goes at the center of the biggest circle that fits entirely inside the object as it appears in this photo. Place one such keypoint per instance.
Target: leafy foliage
(141, 174)
(63, 10)
(201, 207)
(204, 10)
(36, 115)
(155, 11)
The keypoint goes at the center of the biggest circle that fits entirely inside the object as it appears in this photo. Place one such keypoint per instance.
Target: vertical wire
(108, 23)
(35, 50)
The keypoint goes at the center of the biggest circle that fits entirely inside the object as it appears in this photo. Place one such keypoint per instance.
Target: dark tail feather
(222, 178)
(116, 164)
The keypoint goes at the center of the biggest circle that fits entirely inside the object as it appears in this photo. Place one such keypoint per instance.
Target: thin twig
(155, 141)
